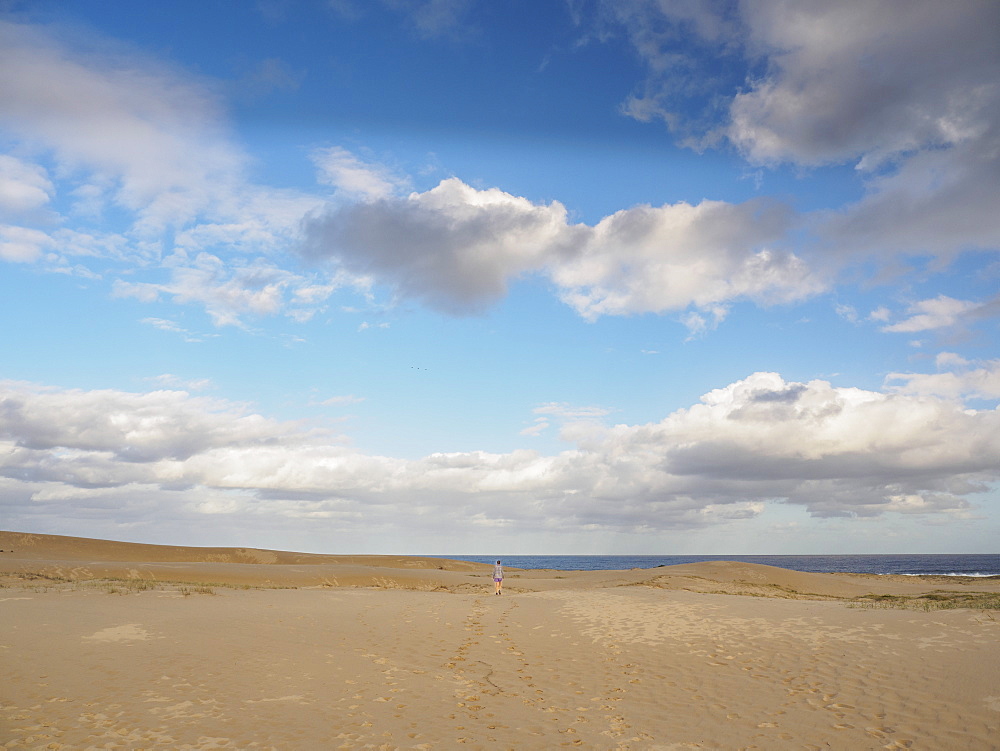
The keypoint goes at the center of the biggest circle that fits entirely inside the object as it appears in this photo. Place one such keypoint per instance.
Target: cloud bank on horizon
(758, 239)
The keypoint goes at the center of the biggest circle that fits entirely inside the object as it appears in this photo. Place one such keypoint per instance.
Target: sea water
(940, 564)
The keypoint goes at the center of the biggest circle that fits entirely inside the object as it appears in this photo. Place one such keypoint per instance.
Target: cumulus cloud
(850, 80)
(131, 427)
(904, 90)
(457, 248)
(652, 259)
(453, 247)
(835, 451)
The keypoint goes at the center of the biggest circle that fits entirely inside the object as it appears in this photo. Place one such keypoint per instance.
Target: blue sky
(439, 276)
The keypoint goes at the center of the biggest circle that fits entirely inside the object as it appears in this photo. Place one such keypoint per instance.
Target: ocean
(914, 565)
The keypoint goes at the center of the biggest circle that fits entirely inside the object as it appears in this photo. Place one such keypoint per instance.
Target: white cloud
(351, 175)
(454, 247)
(835, 451)
(698, 323)
(230, 291)
(337, 401)
(847, 312)
(540, 426)
(143, 428)
(170, 153)
(24, 187)
(950, 359)
(880, 313)
(249, 220)
(457, 249)
(963, 381)
(936, 313)
(172, 327)
(142, 291)
(655, 259)
(21, 244)
(169, 380)
(227, 293)
(569, 411)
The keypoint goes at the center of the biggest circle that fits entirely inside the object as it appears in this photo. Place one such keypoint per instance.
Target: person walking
(498, 578)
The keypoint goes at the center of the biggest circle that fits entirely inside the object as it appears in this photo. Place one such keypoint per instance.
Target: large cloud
(849, 80)
(169, 152)
(940, 201)
(457, 248)
(911, 86)
(128, 137)
(905, 90)
(454, 247)
(835, 451)
(655, 259)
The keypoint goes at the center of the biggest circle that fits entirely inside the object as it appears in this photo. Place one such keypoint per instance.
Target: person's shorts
(497, 580)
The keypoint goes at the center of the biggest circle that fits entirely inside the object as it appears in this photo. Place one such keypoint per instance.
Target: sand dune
(80, 559)
(29, 546)
(381, 652)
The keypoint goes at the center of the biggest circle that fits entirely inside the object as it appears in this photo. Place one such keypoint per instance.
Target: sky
(458, 277)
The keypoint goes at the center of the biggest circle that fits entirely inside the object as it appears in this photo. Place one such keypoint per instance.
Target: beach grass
(937, 600)
(114, 585)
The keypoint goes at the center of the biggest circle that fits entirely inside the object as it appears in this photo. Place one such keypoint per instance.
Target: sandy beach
(116, 645)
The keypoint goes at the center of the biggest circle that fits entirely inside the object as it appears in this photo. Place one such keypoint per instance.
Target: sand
(99, 650)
